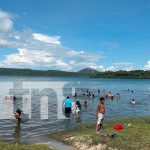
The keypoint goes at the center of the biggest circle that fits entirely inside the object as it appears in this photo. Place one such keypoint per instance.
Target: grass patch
(134, 136)
(6, 146)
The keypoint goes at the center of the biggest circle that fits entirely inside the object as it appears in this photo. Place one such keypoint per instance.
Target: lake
(40, 99)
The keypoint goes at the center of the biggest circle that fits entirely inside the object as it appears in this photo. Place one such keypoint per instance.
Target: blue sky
(73, 34)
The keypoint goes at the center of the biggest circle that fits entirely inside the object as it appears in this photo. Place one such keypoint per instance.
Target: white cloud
(3, 42)
(111, 68)
(37, 50)
(114, 67)
(61, 63)
(103, 68)
(28, 57)
(97, 67)
(17, 37)
(147, 66)
(121, 66)
(6, 24)
(46, 38)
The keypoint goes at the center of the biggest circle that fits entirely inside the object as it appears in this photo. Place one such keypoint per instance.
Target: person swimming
(109, 95)
(117, 95)
(133, 101)
(85, 104)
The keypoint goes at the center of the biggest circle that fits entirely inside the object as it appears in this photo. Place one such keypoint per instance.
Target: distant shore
(133, 74)
(134, 135)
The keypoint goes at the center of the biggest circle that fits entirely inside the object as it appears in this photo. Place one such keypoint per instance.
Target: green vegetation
(5, 146)
(137, 74)
(134, 136)
(30, 72)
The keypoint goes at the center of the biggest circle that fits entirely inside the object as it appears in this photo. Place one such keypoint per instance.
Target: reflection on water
(17, 134)
(41, 103)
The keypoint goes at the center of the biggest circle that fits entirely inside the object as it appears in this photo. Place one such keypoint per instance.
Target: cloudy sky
(72, 34)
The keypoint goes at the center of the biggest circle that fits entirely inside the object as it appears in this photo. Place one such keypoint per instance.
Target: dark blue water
(40, 99)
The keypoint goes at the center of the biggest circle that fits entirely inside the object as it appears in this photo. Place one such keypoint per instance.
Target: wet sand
(48, 141)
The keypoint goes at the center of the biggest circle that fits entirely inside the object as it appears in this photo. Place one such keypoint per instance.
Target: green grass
(136, 136)
(6, 146)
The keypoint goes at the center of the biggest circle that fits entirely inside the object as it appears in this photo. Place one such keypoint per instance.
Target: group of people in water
(75, 107)
(81, 101)
(68, 107)
(100, 111)
(86, 93)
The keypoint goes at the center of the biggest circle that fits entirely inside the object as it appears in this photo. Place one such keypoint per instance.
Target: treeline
(138, 74)
(30, 72)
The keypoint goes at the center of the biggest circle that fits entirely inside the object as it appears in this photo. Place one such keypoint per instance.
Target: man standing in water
(67, 105)
(100, 114)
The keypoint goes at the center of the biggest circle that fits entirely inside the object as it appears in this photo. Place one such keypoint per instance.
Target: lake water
(41, 99)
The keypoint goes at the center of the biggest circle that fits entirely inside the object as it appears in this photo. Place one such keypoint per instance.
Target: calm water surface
(43, 115)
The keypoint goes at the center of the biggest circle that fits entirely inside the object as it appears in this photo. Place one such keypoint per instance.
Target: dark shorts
(67, 110)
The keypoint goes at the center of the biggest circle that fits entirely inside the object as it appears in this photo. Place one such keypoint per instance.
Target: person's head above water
(102, 99)
(133, 101)
(85, 103)
(18, 111)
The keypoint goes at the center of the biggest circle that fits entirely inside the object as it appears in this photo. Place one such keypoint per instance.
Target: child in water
(17, 115)
(85, 104)
(78, 108)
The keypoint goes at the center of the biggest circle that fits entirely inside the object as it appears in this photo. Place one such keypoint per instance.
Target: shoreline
(134, 135)
(41, 142)
(50, 142)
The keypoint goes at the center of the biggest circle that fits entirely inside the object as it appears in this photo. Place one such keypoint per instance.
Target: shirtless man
(100, 114)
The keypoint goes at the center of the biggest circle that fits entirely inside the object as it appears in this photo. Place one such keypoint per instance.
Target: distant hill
(88, 70)
(30, 72)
